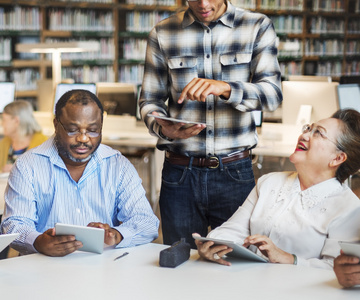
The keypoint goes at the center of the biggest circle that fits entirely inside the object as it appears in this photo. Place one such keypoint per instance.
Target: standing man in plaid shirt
(213, 64)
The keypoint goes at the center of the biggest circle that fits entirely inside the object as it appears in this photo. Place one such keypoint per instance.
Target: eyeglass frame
(307, 128)
(76, 133)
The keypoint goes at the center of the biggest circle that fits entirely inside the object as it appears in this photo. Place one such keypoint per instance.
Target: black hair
(81, 97)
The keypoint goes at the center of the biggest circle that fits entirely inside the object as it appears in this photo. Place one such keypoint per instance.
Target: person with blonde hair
(21, 132)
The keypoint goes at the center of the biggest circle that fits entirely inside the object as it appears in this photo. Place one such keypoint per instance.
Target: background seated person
(299, 217)
(72, 178)
(21, 132)
(347, 270)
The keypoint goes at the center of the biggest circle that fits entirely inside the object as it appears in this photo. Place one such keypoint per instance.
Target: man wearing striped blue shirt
(212, 64)
(72, 178)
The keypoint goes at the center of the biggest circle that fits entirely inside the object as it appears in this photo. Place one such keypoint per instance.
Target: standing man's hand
(199, 88)
(112, 236)
(56, 245)
(174, 130)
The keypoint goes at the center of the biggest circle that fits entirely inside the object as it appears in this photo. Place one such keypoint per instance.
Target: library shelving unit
(317, 37)
(320, 37)
(121, 27)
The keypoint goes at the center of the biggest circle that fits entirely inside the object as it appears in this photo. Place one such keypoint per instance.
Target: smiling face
(314, 151)
(207, 11)
(78, 118)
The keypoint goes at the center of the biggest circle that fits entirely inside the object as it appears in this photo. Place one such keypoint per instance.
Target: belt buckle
(217, 160)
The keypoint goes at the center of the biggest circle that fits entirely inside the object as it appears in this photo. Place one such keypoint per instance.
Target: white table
(138, 276)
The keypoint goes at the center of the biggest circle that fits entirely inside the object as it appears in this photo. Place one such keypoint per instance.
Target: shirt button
(210, 108)
(210, 131)
(181, 64)
(208, 31)
(208, 56)
(78, 210)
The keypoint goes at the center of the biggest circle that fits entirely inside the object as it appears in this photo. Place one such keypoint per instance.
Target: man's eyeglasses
(318, 131)
(91, 134)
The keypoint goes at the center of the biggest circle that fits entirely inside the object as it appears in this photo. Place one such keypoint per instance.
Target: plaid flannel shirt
(240, 49)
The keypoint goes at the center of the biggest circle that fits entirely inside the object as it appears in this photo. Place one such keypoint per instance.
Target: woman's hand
(208, 251)
(268, 248)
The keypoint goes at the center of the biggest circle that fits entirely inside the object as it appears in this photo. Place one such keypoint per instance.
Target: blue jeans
(193, 198)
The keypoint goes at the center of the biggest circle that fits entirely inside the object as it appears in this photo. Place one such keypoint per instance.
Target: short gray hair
(23, 110)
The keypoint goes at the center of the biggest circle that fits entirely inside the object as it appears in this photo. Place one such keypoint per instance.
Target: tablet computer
(187, 123)
(6, 239)
(92, 238)
(350, 248)
(239, 251)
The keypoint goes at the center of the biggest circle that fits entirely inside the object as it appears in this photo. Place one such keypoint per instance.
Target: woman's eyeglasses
(318, 131)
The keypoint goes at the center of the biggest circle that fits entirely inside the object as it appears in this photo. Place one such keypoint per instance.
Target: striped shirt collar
(49, 150)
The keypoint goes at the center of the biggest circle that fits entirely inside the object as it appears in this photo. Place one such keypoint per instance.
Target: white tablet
(6, 239)
(92, 238)
(350, 248)
(187, 123)
(239, 251)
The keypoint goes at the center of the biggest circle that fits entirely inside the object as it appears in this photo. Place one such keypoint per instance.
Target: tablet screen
(238, 250)
(92, 238)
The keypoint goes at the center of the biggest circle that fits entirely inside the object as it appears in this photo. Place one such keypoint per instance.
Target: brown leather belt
(211, 162)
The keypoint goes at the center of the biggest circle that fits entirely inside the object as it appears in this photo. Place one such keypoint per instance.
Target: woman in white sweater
(299, 217)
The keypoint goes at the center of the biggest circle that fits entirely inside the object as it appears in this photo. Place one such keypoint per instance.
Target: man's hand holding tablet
(50, 244)
(92, 238)
(65, 239)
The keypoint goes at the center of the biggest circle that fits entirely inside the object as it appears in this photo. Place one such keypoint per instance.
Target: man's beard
(63, 152)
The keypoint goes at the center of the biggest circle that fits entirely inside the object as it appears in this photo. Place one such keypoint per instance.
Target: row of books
(140, 21)
(80, 20)
(329, 68)
(106, 51)
(20, 18)
(329, 5)
(296, 5)
(246, 4)
(353, 47)
(287, 24)
(325, 25)
(354, 26)
(331, 47)
(134, 49)
(290, 68)
(25, 79)
(89, 74)
(5, 49)
(352, 68)
(290, 48)
(131, 74)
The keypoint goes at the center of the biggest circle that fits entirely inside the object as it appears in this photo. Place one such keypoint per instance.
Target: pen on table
(122, 255)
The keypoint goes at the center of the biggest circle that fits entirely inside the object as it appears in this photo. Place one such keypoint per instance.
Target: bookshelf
(320, 37)
(317, 37)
